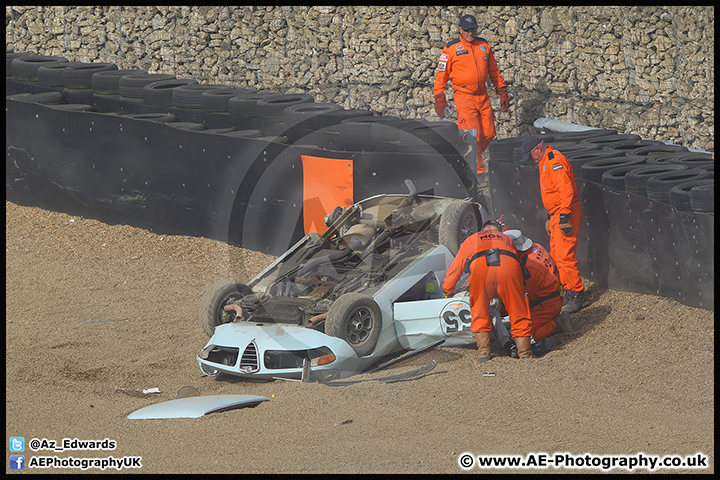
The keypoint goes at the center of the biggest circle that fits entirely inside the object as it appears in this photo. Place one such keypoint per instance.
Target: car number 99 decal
(455, 317)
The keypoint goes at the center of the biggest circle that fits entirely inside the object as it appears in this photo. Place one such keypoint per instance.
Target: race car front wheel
(357, 319)
(212, 312)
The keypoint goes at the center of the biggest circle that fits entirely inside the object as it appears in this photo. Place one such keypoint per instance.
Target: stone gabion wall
(643, 70)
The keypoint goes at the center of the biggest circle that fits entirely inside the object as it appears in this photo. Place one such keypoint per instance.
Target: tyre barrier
(162, 92)
(188, 96)
(250, 133)
(79, 76)
(328, 119)
(702, 198)
(271, 108)
(608, 141)
(43, 98)
(74, 107)
(630, 146)
(592, 171)
(51, 75)
(655, 150)
(152, 117)
(131, 86)
(680, 194)
(188, 126)
(584, 134)
(107, 82)
(361, 127)
(217, 100)
(658, 186)
(693, 159)
(249, 190)
(25, 67)
(636, 179)
(579, 159)
(245, 106)
(615, 177)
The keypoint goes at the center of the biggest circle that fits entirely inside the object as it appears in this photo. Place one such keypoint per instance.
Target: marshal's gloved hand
(440, 104)
(504, 99)
(565, 226)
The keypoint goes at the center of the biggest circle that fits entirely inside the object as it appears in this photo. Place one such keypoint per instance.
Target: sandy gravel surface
(97, 311)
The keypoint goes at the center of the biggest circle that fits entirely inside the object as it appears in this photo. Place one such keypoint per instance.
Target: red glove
(440, 104)
(504, 99)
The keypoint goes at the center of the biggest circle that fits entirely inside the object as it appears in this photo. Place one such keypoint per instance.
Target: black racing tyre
(218, 131)
(211, 312)
(189, 126)
(302, 114)
(702, 198)
(630, 146)
(79, 77)
(328, 119)
(152, 117)
(217, 100)
(658, 186)
(250, 133)
(615, 177)
(503, 149)
(680, 193)
(131, 86)
(9, 57)
(188, 96)
(592, 171)
(606, 141)
(458, 221)
(665, 159)
(693, 159)
(357, 319)
(361, 127)
(244, 106)
(655, 150)
(44, 98)
(584, 134)
(435, 133)
(107, 82)
(281, 139)
(271, 109)
(25, 68)
(569, 149)
(161, 93)
(74, 107)
(51, 75)
(636, 179)
(581, 158)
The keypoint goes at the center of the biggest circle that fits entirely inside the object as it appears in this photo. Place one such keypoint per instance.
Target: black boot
(574, 301)
(543, 346)
(511, 349)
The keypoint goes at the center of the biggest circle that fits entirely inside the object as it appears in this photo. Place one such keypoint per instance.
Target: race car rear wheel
(457, 222)
(211, 312)
(357, 319)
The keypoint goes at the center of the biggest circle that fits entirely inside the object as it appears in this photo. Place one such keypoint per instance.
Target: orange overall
(504, 280)
(559, 196)
(543, 290)
(468, 66)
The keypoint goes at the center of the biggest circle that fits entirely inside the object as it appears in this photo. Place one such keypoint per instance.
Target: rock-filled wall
(643, 70)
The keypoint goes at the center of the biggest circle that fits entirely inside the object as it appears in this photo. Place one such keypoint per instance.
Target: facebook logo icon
(17, 462)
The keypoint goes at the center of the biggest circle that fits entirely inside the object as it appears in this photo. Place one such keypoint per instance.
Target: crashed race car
(340, 302)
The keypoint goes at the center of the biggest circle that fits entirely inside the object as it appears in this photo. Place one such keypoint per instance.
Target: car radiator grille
(249, 362)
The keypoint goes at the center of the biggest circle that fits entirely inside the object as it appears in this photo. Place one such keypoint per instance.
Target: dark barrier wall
(627, 242)
(246, 191)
